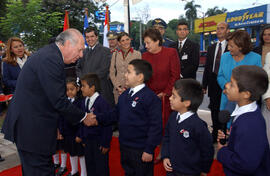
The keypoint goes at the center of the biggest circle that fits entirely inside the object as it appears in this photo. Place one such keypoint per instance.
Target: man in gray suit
(96, 59)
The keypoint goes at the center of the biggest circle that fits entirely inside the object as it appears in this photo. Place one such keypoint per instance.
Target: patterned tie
(217, 62)
(180, 47)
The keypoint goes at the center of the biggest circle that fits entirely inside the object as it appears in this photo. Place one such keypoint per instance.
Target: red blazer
(166, 70)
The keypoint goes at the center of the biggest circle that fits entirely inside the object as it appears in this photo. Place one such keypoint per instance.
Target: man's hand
(78, 140)
(90, 120)
(104, 150)
(203, 174)
(146, 157)
(167, 165)
(220, 136)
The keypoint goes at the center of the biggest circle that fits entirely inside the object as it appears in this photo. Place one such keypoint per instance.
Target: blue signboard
(100, 15)
(117, 28)
(247, 17)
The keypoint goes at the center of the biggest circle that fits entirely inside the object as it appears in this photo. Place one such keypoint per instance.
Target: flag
(106, 28)
(86, 25)
(66, 21)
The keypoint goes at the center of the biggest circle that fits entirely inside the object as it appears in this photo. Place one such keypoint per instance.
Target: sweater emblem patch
(185, 133)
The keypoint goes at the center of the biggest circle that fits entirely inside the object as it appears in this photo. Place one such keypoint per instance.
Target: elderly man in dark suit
(96, 59)
(188, 51)
(39, 100)
(214, 53)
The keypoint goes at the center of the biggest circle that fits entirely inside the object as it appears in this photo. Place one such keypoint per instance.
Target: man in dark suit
(96, 59)
(39, 100)
(214, 53)
(188, 51)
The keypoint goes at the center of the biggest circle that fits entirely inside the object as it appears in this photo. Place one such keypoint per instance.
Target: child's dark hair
(251, 78)
(92, 80)
(143, 67)
(190, 89)
(72, 81)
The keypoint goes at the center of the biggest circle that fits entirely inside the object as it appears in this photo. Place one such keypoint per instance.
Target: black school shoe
(61, 171)
(76, 174)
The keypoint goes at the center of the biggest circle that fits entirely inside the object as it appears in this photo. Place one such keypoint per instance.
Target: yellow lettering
(260, 14)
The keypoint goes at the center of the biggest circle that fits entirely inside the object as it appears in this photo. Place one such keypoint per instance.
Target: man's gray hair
(70, 35)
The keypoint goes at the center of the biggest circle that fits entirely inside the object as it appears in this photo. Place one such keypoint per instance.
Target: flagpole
(127, 16)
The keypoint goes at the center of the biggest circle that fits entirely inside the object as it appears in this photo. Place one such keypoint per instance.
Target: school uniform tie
(178, 118)
(180, 47)
(87, 105)
(130, 93)
(217, 62)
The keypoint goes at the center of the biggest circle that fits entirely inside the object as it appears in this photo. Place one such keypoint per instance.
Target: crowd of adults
(170, 61)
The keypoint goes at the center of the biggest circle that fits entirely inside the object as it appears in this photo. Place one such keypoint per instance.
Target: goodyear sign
(248, 17)
(237, 19)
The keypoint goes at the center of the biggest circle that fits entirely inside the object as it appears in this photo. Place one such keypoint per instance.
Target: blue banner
(117, 28)
(247, 17)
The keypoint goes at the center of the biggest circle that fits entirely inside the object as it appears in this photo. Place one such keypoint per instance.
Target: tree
(76, 10)
(215, 11)
(191, 11)
(2, 14)
(30, 23)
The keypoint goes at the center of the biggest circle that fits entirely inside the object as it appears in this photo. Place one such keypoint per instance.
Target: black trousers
(36, 164)
(97, 164)
(214, 107)
(131, 161)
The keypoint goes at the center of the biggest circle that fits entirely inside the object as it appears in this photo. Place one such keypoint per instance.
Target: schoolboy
(187, 144)
(96, 139)
(140, 123)
(247, 151)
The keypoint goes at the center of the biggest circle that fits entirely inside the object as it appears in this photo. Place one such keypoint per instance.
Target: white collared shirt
(93, 47)
(92, 100)
(244, 109)
(136, 89)
(184, 116)
(183, 42)
(20, 61)
(223, 47)
(71, 99)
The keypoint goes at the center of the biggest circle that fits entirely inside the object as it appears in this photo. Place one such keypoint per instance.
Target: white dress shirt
(244, 109)
(184, 116)
(136, 89)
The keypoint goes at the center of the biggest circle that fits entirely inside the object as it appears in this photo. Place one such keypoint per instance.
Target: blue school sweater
(188, 145)
(67, 129)
(247, 152)
(102, 134)
(139, 118)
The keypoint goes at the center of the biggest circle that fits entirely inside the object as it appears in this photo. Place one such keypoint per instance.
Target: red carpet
(115, 167)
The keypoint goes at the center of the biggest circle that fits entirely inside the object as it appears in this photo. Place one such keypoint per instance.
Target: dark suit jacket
(190, 65)
(210, 78)
(10, 76)
(98, 61)
(39, 100)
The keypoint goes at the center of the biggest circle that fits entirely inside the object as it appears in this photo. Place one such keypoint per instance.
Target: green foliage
(191, 12)
(30, 23)
(76, 10)
(215, 11)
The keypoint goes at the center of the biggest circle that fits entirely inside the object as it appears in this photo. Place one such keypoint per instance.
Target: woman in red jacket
(166, 69)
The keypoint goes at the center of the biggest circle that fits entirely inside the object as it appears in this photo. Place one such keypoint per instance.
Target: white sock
(83, 166)
(74, 164)
(56, 158)
(63, 159)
